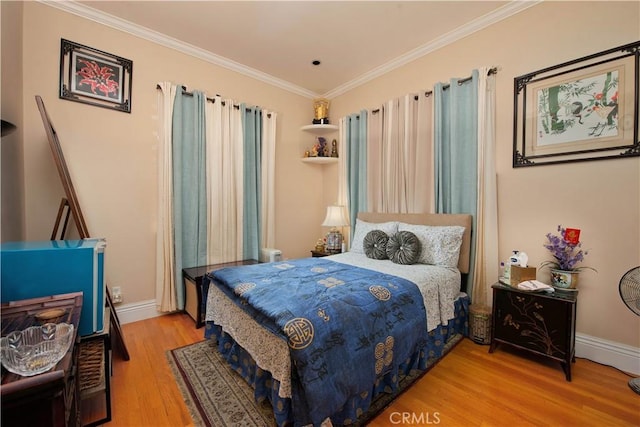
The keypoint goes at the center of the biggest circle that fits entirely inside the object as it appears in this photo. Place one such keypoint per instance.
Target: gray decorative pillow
(363, 227)
(403, 248)
(375, 244)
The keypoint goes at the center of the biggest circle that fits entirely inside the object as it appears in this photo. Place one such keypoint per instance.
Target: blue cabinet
(53, 267)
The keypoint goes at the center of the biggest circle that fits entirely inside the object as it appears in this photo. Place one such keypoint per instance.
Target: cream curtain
(225, 181)
(165, 271)
(486, 266)
(401, 168)
(219, 130)
(268, 161)
(343, 191)
(400, 156)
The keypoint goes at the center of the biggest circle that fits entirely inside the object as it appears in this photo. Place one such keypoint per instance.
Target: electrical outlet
(116, 294)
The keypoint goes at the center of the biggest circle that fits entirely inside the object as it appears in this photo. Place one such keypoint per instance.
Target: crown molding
(164, 40)
(510, 9)
(89, 13)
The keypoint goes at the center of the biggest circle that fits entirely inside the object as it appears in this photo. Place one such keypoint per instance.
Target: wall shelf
(320, 160)
(320, 129)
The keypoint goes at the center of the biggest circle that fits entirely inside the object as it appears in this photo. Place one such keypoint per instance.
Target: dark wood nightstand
(194, 302)
(318, 254)
(50, 398)
(538, 322)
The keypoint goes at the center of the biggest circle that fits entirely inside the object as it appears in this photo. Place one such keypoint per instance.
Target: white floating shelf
(320, 160)
(320, 129)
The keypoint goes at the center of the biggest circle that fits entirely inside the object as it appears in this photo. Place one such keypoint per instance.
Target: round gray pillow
(375, 244)
(403, 248)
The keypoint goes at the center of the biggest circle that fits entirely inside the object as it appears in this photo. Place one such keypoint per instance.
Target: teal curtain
(356, 143)
(252, 127)
(189, 187)
(456, 151)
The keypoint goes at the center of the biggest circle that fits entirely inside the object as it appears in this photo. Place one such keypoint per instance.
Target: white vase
(562, 279)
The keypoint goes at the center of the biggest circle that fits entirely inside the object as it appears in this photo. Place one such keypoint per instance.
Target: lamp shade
(335, 217)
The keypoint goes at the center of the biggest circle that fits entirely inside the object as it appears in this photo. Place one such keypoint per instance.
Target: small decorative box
(520, 274)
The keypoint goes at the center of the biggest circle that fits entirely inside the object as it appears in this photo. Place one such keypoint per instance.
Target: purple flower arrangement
(566, 250)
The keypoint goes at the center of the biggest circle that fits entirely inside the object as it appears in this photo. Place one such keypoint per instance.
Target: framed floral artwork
(585, 109)
(94, 77)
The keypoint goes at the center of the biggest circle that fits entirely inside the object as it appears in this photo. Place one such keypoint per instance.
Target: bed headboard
(463, 220)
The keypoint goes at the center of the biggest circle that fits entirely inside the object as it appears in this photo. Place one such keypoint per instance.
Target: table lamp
(335, 218)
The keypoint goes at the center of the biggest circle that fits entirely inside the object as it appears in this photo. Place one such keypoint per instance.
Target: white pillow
(363, 228)
(440, 244)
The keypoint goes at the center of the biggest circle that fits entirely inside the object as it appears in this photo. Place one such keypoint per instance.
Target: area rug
(217, 396)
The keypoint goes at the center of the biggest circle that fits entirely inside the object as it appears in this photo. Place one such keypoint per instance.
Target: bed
(324, 339)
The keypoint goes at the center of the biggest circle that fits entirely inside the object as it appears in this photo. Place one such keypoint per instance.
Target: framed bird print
(585, 109)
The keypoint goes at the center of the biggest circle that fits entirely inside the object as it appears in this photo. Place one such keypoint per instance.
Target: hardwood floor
(469, 387)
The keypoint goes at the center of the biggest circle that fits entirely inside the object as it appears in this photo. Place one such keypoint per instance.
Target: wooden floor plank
(468, 387)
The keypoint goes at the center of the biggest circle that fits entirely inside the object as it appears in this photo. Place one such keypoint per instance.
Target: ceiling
(277, 41)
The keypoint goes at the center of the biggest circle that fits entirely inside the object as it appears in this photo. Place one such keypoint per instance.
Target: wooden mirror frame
(76, 212)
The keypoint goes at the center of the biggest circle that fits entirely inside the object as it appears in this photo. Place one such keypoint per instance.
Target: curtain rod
(493, 70)
(212, 100)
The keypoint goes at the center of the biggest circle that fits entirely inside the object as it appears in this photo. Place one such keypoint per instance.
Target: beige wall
(602, 197)
(112, 155)
(12, 202)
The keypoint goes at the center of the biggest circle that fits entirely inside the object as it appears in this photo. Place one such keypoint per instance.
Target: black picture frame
(584, 109)
(94, 77)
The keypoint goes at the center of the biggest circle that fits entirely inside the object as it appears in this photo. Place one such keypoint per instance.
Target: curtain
(189, 186)
(456, 152)
(399, 156)
(166, 293)
(355, 136)
(216, 188)
(267, 189)
(432, 154)
(225, 185)
(252, 171)
(259, 180)
(486, 266)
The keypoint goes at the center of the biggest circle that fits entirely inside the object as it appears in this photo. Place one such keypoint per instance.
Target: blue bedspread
(345, 325)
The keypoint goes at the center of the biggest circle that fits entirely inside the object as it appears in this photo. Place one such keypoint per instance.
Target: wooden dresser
(50, 398)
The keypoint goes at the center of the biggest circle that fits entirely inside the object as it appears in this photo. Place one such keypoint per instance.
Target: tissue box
(520, 274)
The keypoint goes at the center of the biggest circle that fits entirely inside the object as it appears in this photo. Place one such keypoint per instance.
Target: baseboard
(621, 356)
(133, 312)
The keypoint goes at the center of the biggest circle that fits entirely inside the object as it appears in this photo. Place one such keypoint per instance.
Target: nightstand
(538, 322)
(319, 254)
(194, 294)
(51, 398)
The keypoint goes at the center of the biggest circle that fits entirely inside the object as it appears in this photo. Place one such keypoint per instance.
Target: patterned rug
(217, 396)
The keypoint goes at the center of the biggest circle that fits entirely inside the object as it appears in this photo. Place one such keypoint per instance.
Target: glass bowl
(36, 349)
